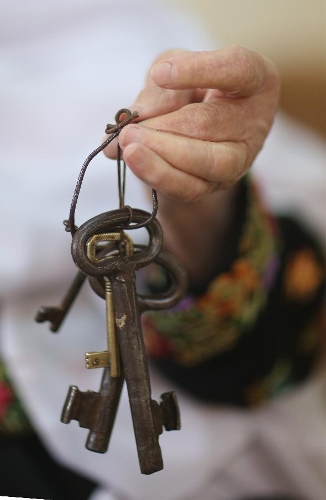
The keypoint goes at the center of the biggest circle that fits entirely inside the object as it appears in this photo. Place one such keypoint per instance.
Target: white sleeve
(291, 169)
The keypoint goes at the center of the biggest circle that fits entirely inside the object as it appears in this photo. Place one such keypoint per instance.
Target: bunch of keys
(106, 255)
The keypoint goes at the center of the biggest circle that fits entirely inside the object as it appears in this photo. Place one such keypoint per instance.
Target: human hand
(204, 117)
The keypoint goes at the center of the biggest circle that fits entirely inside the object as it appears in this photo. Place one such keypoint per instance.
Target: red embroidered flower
(6, 398)
(156, 345)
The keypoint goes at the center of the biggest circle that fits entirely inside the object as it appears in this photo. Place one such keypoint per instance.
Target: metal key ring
(108, 222)
(164, 300)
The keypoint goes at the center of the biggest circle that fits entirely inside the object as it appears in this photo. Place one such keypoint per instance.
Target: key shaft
(136, 374)
(114, 350)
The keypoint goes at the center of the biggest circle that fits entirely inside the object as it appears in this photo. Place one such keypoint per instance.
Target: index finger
(234, 70)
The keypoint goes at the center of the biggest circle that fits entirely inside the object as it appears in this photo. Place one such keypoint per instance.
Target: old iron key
(97, 411)
(148, 416)
(56, 314)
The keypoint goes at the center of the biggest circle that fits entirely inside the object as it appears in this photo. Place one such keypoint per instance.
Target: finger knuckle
(250, 66)
(201, 120)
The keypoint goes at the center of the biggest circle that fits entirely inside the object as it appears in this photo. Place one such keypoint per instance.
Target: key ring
(113, 131)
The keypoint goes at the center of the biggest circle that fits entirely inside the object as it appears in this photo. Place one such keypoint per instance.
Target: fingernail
(162, 74)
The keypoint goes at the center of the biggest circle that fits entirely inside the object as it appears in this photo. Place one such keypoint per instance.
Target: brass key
(111, 357)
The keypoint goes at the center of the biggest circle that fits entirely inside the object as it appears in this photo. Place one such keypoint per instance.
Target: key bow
(109, 222)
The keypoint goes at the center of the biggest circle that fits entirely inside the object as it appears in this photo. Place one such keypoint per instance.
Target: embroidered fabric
(13, 419)
(200, 327)
(254, 333)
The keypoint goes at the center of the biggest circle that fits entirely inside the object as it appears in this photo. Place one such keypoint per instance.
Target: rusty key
(148, 416)
(96, 411)
(56, 314)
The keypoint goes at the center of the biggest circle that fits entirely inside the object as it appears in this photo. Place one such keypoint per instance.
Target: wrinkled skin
(204, 118)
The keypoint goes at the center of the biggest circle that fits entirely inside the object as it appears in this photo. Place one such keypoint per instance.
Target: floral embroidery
(13, 419)
(6, 398)
(275, 383)
(199, 328)
(303, 276)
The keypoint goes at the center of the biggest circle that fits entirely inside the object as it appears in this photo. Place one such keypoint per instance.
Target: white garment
(66, 68)
(291, 169)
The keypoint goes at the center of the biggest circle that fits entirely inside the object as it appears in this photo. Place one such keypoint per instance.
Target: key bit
(80, 406)
(104, 418)
(94, 359)
(170, 411)
(48, 313)
(55, 315)
(166, 413)
(95, 411)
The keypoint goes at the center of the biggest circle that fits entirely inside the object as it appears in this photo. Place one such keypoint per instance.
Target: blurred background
(291, 32)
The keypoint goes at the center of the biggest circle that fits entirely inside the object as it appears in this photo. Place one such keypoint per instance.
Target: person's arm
(204, 117)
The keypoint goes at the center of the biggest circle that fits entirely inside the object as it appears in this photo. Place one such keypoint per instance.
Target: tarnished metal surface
(56, 314)
(148, 416)
(95, 411)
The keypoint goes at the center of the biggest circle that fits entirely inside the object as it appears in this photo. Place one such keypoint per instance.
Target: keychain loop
(113, 131)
